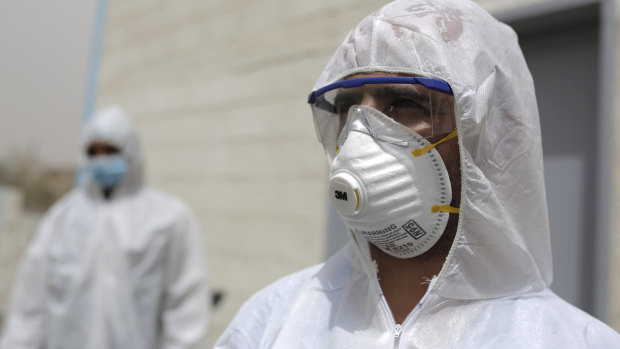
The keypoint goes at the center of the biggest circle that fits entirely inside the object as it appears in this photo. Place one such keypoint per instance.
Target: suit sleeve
(185, 313)
(26, 325)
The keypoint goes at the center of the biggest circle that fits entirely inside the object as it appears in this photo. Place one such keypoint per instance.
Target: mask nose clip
(362, 123)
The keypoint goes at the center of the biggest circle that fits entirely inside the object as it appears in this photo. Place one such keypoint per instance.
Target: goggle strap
(421, 151)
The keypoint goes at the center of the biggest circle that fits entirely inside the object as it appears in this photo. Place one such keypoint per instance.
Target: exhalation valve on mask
(383, 192)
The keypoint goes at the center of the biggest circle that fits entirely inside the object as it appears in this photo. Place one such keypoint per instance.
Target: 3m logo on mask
(341, 195)
(413, 229)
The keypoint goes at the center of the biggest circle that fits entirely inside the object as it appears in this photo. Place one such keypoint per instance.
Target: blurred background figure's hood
(113, 126)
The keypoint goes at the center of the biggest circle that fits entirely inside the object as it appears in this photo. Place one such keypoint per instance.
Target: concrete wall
(218, 91)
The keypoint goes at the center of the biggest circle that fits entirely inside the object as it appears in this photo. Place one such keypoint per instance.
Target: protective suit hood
(502, 246)
(112, 125)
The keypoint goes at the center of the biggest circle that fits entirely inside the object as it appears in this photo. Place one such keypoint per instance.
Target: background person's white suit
(123, 273)
(493, 290)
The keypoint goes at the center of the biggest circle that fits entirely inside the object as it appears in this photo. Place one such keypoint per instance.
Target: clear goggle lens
(424, 105)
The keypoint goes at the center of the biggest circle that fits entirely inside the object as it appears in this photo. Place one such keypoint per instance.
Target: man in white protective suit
(428, 117)
(113, 265)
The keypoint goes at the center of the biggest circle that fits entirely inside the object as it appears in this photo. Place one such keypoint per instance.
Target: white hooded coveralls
(493, 290)
(124, 273)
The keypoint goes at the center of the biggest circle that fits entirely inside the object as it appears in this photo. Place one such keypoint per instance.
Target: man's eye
(405, 104)
(410, 113)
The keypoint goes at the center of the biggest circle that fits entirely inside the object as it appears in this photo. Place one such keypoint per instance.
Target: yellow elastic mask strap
(422, 151)
(445, 208)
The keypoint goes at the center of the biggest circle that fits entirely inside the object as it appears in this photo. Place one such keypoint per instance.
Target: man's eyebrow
(415, 92)
(404, 90)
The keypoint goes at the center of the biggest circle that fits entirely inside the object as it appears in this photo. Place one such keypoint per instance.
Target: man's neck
(404, 281)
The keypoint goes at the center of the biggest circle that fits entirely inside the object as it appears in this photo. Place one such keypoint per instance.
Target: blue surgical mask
(107, 170)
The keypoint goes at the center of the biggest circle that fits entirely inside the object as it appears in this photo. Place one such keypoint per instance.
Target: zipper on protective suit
(398, 328)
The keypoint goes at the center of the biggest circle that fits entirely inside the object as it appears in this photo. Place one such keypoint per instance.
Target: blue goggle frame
(430, 83)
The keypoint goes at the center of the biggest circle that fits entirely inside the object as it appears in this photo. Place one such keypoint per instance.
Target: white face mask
(396, 200)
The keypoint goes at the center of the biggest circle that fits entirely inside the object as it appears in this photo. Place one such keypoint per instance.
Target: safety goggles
(425, 105)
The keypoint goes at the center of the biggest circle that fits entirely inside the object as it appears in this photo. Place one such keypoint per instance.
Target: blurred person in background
(428, 116)
(114, 264)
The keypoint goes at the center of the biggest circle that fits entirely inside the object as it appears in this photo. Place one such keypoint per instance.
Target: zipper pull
(397, 331)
